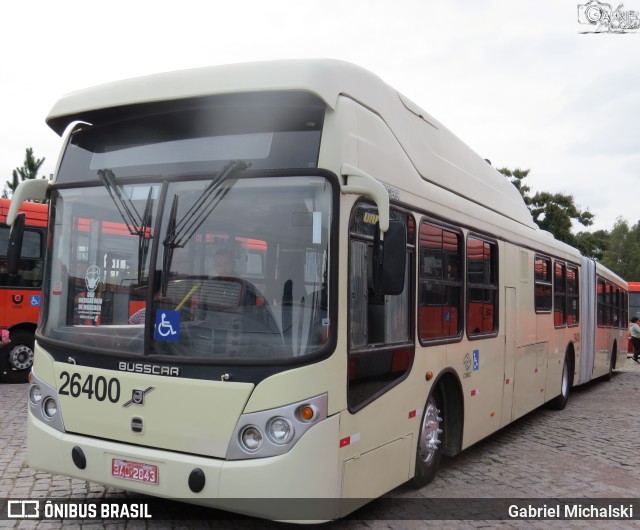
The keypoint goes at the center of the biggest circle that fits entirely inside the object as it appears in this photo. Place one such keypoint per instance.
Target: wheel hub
(430, 433)
(21, 357)
(565, 380)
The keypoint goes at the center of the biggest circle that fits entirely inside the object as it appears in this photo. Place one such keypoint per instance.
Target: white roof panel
(438, 155)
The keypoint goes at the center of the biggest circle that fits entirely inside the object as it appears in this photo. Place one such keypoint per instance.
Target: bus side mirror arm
(389, 255)
(34, 189)
(360, 183)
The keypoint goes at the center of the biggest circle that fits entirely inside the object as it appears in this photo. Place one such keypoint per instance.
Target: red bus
(634, 306)
(21, 294)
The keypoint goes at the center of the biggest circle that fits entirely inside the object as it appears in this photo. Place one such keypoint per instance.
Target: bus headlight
(251, 438)
(280, 430)
(44, 404)
(275, 431)
(50, 407)
(35, 394)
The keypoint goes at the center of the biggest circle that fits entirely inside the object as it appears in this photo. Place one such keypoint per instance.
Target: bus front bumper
(310, 471)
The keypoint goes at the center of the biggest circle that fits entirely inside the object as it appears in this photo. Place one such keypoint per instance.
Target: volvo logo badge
(137, 396)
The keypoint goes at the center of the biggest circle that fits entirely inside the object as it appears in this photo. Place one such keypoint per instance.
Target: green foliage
(623, 253)
(618, 250)
(29, 170)
(593, 244)
(553, 212)
(516, 176)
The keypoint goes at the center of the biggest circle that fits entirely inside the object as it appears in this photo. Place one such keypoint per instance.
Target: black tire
(16, 358)
(560, 401)
(612, 362)
(430, 437)
(609, 374)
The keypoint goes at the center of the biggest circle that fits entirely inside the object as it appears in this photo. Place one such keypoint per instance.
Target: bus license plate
(147, 473)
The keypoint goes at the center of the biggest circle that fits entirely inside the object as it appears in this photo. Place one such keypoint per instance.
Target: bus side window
(543, 289)
(573, 294)
(440, 284)
(559, 294)
(482, 287)
(30, 264)
(380, 348)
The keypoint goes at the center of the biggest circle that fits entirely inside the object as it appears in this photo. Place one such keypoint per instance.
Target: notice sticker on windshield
(89, 304)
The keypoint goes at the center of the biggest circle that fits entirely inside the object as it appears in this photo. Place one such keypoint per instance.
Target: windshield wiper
(168, 251)
(179, 233)
(128, 212)
(183, 231)
(144, 236)
(136, 225)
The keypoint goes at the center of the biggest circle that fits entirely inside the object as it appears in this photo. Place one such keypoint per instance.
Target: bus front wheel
(429, 448)
(17, 358)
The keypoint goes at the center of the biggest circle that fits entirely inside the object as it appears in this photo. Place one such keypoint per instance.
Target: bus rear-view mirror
(15, 245)
(389, 259)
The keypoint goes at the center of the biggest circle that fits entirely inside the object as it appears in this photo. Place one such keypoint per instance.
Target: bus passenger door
(376, 432)
(509, 355)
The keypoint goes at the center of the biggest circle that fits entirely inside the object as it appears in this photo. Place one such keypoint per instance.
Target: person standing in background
(634, 331)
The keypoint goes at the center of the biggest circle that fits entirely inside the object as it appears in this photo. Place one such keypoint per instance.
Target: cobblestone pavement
(589, 450)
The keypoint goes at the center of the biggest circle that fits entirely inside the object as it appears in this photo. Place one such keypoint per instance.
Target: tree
(29, 170)
(618, 250)
(593, 244)
(516, 176)
(553, 212)
(623, 254)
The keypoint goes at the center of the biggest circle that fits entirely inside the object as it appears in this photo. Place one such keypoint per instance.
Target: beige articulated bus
(285, 280)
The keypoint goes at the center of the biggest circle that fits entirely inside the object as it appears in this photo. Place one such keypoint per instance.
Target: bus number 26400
(100, 387)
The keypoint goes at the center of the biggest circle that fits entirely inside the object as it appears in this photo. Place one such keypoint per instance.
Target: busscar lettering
(153, 369)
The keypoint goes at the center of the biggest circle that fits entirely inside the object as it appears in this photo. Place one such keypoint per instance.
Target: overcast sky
(516, 80)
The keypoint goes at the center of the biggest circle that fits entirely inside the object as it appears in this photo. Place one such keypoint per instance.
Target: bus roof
(36, 213)
(438, 156)
(325, 78)
(608, 274)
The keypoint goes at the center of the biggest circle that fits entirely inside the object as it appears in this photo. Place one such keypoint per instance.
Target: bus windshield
(240, 275)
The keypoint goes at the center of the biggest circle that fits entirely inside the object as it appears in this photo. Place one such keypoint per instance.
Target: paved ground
(589, 450)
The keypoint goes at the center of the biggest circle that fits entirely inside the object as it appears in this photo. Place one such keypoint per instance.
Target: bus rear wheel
(429, 450)
(612, 363)
(17, 358)
(560, 401)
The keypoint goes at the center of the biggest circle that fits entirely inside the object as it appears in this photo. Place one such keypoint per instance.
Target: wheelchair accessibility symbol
(476, 360)
(167, 325)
